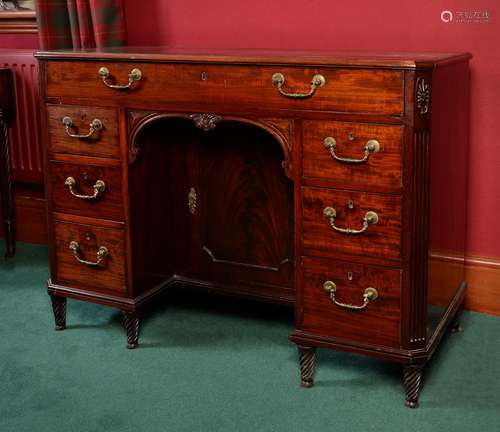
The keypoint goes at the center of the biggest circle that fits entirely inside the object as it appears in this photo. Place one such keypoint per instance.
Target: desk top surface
(261, 56)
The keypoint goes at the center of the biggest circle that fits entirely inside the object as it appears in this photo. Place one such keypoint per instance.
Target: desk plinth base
(132, 307)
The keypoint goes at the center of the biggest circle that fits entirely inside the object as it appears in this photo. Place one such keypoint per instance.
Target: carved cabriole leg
(131, 323)
(307, 362)
(59, 309)
(412, 379)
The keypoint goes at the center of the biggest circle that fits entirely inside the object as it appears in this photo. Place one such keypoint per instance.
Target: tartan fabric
(80, 23)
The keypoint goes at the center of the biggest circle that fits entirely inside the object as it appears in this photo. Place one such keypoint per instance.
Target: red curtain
(64, 24)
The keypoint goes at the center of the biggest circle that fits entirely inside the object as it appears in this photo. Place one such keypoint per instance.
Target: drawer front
(353, 153)
(103, 142)
(378, 323)
(381, 239)
(345, 90)
(108, 276)
(99, 189)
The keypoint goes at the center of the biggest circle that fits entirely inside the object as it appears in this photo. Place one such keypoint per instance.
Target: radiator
(25, 136)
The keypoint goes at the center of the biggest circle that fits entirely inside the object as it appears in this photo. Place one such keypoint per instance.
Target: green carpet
(206, 363)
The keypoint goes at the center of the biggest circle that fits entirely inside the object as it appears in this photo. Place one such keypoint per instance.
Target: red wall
(361, 24)
(18, 41)
(350, 24)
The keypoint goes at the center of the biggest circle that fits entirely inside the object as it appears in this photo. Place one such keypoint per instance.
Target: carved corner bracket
(135, 122)
(283, 131)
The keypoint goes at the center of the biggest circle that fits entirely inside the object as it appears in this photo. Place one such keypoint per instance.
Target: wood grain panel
(103, 143)
(382, 239)
(378, 324)
(245, 208)
(346, 90)
(108, 206)
(109, 277)
(382, 168)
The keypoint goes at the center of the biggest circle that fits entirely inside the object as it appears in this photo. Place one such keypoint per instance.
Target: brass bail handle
(317, 81)
(372, 146)
(99, 188)
(369, 295)
(370, 218)
(134, 75)
(102, 254)
(95, 125)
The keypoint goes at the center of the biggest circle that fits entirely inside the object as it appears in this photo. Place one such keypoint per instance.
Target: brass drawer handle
(369, 295)
(102, 254)
(95, 126)
(370, 218)
(134, 75)
(317, 82)
(371, 146)
(99, 188)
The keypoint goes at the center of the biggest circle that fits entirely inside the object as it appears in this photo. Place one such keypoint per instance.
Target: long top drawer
(277, 87)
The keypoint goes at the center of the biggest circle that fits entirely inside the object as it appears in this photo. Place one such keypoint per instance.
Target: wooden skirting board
(482, 276)
(31, 222)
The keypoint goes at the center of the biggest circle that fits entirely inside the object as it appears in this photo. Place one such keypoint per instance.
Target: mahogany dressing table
(325, 180)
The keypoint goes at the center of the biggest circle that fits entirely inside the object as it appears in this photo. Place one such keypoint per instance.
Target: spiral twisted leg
(307, 362)
(59, 309)
(7, 197)
(131, 323)
(412, 379)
